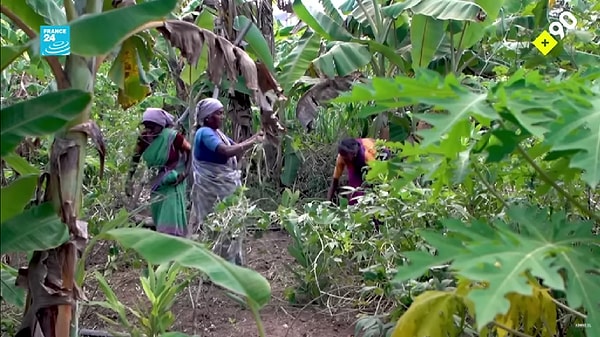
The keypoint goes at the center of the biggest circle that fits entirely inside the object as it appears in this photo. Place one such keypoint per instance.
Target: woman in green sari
(168, 154)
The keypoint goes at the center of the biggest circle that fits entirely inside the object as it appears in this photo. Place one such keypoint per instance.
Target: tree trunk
(52, 292)
(265, 23)
(273, 153)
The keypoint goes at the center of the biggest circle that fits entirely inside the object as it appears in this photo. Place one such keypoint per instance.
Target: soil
(218, 315)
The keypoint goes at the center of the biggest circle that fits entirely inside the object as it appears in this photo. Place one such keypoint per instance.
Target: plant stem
(514, 332)
(491, 188)
(569, 309)
(259, 324)
(544, 176)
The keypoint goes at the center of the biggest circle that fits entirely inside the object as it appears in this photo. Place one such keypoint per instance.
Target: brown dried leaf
(216, 61)
(41, 194)
(44, 280)
(224, 57)
(229, 57)
(93, 131)
(266, 81)
(330, 88)
(247, 68)
(185, 36)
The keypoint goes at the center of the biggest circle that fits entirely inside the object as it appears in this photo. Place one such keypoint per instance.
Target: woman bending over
(167, 154)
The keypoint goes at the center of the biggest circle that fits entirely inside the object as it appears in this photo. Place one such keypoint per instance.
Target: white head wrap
(207, 107)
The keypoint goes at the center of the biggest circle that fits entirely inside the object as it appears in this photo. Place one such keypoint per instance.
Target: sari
(168, 202)
(367, 152)
(212, 184)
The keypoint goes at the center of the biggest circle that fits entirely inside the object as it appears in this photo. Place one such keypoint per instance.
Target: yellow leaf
(529, 314)
(127, 72)
(430, 315)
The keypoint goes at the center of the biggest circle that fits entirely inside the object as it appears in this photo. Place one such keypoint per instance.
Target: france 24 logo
(55, 40)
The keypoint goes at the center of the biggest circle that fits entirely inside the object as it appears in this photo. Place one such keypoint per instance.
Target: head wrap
(158, 116)
(207, 107)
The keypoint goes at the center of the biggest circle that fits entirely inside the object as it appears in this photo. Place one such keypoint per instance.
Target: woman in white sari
(215, 170)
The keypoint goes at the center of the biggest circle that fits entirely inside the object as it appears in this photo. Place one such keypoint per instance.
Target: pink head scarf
(158, 116)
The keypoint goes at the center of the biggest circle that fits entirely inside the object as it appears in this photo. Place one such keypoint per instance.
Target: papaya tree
(52, 296)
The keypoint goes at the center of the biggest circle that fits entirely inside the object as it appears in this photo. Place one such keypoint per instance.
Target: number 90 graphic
(566, 21)
(545, 42)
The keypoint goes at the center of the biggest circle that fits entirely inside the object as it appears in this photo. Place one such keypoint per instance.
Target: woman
(215, 168)
(353, 154)
(167, 153)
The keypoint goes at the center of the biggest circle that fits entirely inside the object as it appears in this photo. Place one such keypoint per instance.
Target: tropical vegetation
(489, 207)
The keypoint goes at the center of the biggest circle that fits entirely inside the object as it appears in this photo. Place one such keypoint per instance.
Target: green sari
(168, 202)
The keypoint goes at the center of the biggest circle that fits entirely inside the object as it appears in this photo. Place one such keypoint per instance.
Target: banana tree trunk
(53, 293)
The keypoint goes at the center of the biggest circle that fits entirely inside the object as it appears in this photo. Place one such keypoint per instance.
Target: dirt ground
(218, 315)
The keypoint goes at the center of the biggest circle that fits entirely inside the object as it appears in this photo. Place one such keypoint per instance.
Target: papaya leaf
(8, 289)
(578, 128)
(116, 25)
(38, 228)
(158, 248)
(40, 116)
(545, 247)
(430, 315)
(16, 196)
(535, 314)
(463, 105)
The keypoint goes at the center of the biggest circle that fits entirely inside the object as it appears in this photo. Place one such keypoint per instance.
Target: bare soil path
(218, 315)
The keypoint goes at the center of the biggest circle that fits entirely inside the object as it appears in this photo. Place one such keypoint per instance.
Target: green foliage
(26, 13)
(85, 41)
(424, 46)
(440, 9)
(8, 292)
(527, 104)
(343, 59)
(16, 196)
(40, 116)
(256, 41)
(158, 248)
(161, 287)
(37, 228)
(294, 64)
(547, 247)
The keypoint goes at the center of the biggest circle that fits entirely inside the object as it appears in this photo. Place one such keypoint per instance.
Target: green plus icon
(545, 42)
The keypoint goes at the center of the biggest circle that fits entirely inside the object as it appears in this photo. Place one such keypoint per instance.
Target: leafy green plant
(504, 258)
(526, 118)
(66, 115)
(161, 287)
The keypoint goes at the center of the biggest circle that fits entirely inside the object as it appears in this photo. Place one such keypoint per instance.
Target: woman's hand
(260, 136)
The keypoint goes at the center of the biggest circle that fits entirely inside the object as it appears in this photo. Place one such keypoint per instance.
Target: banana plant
(53, 294)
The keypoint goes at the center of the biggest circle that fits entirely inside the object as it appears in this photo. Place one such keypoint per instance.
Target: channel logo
(55, 40)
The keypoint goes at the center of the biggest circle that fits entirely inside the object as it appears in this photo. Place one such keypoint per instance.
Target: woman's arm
(184, 147)
(238, 149)
(135, 160)
(340, 165)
